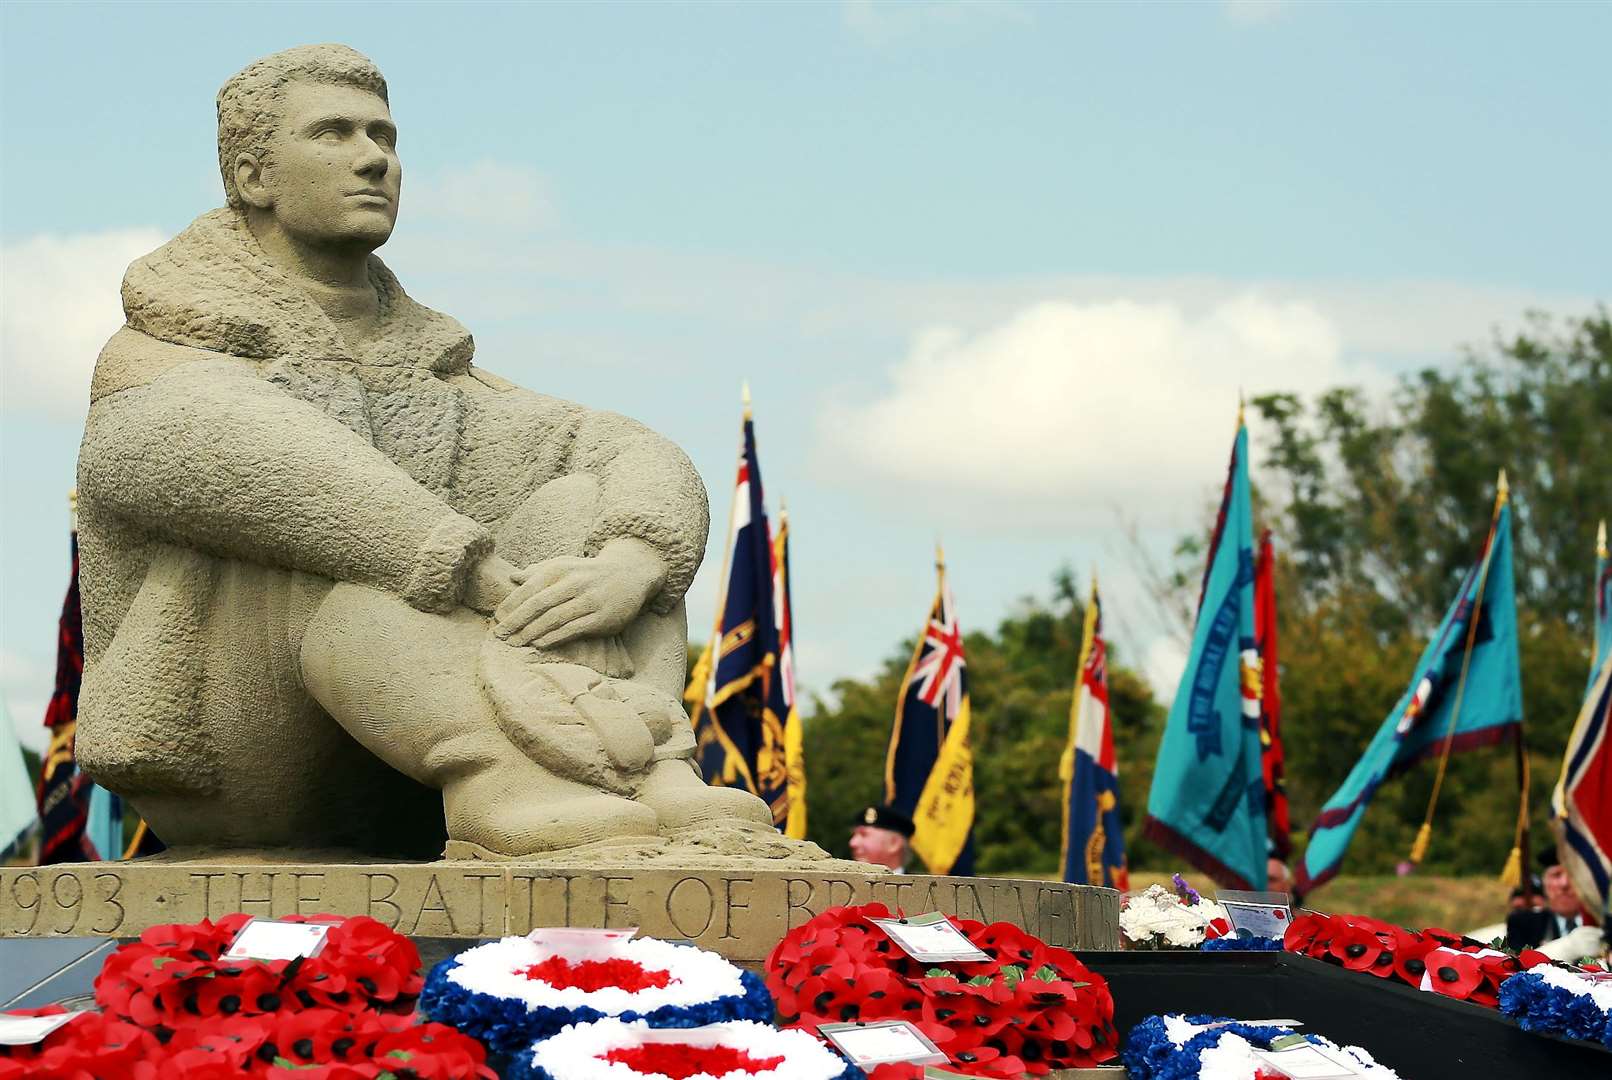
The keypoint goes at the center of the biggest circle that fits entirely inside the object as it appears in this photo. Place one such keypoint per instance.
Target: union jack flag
(920, 760)
(939, 670)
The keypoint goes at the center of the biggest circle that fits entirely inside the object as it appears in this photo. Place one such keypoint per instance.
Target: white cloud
(483, 193)
(1069, 411)
(58, 305)
(1254, 11)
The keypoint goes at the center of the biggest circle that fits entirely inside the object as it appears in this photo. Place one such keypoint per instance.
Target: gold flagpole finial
(1240, 406)
(783, 511)
(744, 396)
(1600, 540)
(1502, 490)
(940, 555)
(72, 507)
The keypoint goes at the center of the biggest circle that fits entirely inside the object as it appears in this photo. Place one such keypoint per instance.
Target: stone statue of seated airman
(344, 589)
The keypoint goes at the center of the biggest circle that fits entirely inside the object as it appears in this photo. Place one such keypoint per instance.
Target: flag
(64, 792)
(1272, 758)
(17, 812)
(929, 767)
(1466, 692)
(741, 738)
(1093, 838)
(781, 697)
(1207, 804)
(1581, 804)
(1583, 819)
(1602, 642)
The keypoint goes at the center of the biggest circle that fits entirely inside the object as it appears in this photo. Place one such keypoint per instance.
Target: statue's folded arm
(211, 456)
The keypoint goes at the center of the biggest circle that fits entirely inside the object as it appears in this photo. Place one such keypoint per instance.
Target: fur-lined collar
(211, 287)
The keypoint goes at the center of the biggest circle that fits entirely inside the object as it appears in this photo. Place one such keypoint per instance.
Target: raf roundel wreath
(737, 1050)
(514, 992)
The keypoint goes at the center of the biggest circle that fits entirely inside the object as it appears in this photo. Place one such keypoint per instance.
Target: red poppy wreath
(1030, 1008)
(179, 976)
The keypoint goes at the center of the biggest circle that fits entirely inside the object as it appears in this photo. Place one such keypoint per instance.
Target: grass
(1461, 904)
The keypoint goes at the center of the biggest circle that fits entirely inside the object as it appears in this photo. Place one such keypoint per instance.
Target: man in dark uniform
(881, 836)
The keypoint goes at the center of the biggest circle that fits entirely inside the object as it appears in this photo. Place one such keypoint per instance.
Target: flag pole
(1424, 835)
(713, 646)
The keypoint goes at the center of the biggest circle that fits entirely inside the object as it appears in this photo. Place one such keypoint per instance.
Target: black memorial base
(1422, 1036)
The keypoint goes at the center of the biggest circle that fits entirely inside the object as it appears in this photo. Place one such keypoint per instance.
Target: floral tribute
(1556, 1001)
(177, 977)
(1438, 960)
(316, 1044)
(514, 992)
(1030, 1008)
(1160, 919)
(735, 1050)
(1177, 1047)
(91, 1045)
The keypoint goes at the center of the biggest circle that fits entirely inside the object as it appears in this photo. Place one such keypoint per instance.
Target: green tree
(1021, 678)
(1379, 512)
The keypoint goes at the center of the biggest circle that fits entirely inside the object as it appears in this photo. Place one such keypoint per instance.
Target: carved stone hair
(249, 104)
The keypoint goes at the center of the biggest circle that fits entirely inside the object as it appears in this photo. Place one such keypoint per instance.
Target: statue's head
(305, 136)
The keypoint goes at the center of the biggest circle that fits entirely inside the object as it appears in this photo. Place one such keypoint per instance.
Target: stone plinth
(740, 913)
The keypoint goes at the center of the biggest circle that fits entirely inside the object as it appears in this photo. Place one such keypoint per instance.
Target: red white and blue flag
(929, 766)
(1093, 838)
(740, 733)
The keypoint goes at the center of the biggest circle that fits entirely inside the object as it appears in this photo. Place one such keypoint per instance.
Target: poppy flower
(1355, 948)
(1453, 974)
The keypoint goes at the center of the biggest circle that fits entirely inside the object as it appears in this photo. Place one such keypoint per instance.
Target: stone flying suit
(241, 459)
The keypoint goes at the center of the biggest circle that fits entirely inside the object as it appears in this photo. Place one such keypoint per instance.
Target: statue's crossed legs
(530, 754)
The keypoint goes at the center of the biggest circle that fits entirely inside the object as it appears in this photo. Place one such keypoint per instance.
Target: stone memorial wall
(740, 914)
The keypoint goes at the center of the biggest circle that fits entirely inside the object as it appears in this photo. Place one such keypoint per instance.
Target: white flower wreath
(582, 1052)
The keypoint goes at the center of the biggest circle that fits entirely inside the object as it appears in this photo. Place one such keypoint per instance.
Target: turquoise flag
(1467, 701)
(17, 814)
(1208, 799)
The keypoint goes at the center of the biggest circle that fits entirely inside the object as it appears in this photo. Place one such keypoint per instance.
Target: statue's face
(333, 171)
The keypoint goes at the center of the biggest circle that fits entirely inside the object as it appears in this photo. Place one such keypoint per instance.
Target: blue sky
(995, 272)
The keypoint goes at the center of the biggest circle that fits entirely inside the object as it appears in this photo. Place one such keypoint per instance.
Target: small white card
(29, 1030)
(268, 939)
(1256, 1023)
(1256, 914)
(882, 1042)
(931, 939)
(1307, 1062)
(580, 941)
(1257, 920)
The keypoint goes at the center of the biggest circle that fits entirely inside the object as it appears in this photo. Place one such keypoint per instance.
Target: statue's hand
(491, 582)
(566, 598)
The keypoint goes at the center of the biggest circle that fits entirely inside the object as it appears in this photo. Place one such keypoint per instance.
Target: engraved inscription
(690, 906)
(380, 905)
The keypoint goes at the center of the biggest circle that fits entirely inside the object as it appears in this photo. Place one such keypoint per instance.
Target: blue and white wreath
(1554, 1001)
(1176, 1047)
(736, 1050)
(514, 992)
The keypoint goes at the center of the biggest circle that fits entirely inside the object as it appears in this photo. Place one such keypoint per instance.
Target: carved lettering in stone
(302, 897)
(804, 905)
(490, 912)
(432, 885)
(732, 904)
(246, 903)
(691, 915)
(206, 880)
(612, 902)
(850, 892)
(379, 905)
(111, 887)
